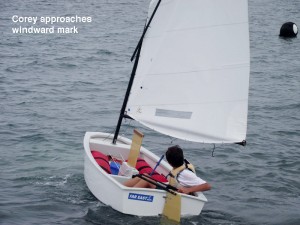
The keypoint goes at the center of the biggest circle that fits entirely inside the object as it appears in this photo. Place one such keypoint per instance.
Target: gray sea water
(55, 87)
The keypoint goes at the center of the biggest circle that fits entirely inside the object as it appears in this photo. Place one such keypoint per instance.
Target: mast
(136, 53)
(126, 96)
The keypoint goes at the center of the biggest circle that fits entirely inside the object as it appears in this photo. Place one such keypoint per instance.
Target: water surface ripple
(55, 87)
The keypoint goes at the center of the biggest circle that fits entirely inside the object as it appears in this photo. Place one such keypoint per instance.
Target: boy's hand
(184, 190)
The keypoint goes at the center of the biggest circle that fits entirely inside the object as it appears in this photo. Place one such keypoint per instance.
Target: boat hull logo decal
(140, 197)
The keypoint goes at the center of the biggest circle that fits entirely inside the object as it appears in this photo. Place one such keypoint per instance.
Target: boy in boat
(182, 176)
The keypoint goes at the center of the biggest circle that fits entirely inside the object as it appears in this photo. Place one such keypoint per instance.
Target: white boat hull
(134, 201)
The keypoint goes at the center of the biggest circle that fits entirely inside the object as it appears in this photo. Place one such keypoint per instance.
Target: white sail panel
(193, 73)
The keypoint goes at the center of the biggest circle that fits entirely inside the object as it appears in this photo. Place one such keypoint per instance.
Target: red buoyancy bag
(143, 167)
(102, 160)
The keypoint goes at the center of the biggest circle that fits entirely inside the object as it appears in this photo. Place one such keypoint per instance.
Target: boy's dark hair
(175, 156)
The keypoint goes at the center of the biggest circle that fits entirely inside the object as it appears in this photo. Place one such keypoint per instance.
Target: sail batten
(192, 79)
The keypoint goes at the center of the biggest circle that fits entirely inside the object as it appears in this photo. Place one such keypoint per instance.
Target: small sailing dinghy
(190, 80)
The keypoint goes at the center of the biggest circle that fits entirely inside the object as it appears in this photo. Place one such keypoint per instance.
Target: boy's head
(175, 156)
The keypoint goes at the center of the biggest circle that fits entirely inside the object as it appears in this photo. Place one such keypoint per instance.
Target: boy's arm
(196, 188)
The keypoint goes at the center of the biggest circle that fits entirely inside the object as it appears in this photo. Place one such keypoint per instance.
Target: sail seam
(197, 28)
(201, 70)
(202, 103)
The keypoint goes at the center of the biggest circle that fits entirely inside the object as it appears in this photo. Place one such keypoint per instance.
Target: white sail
(192, 78)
